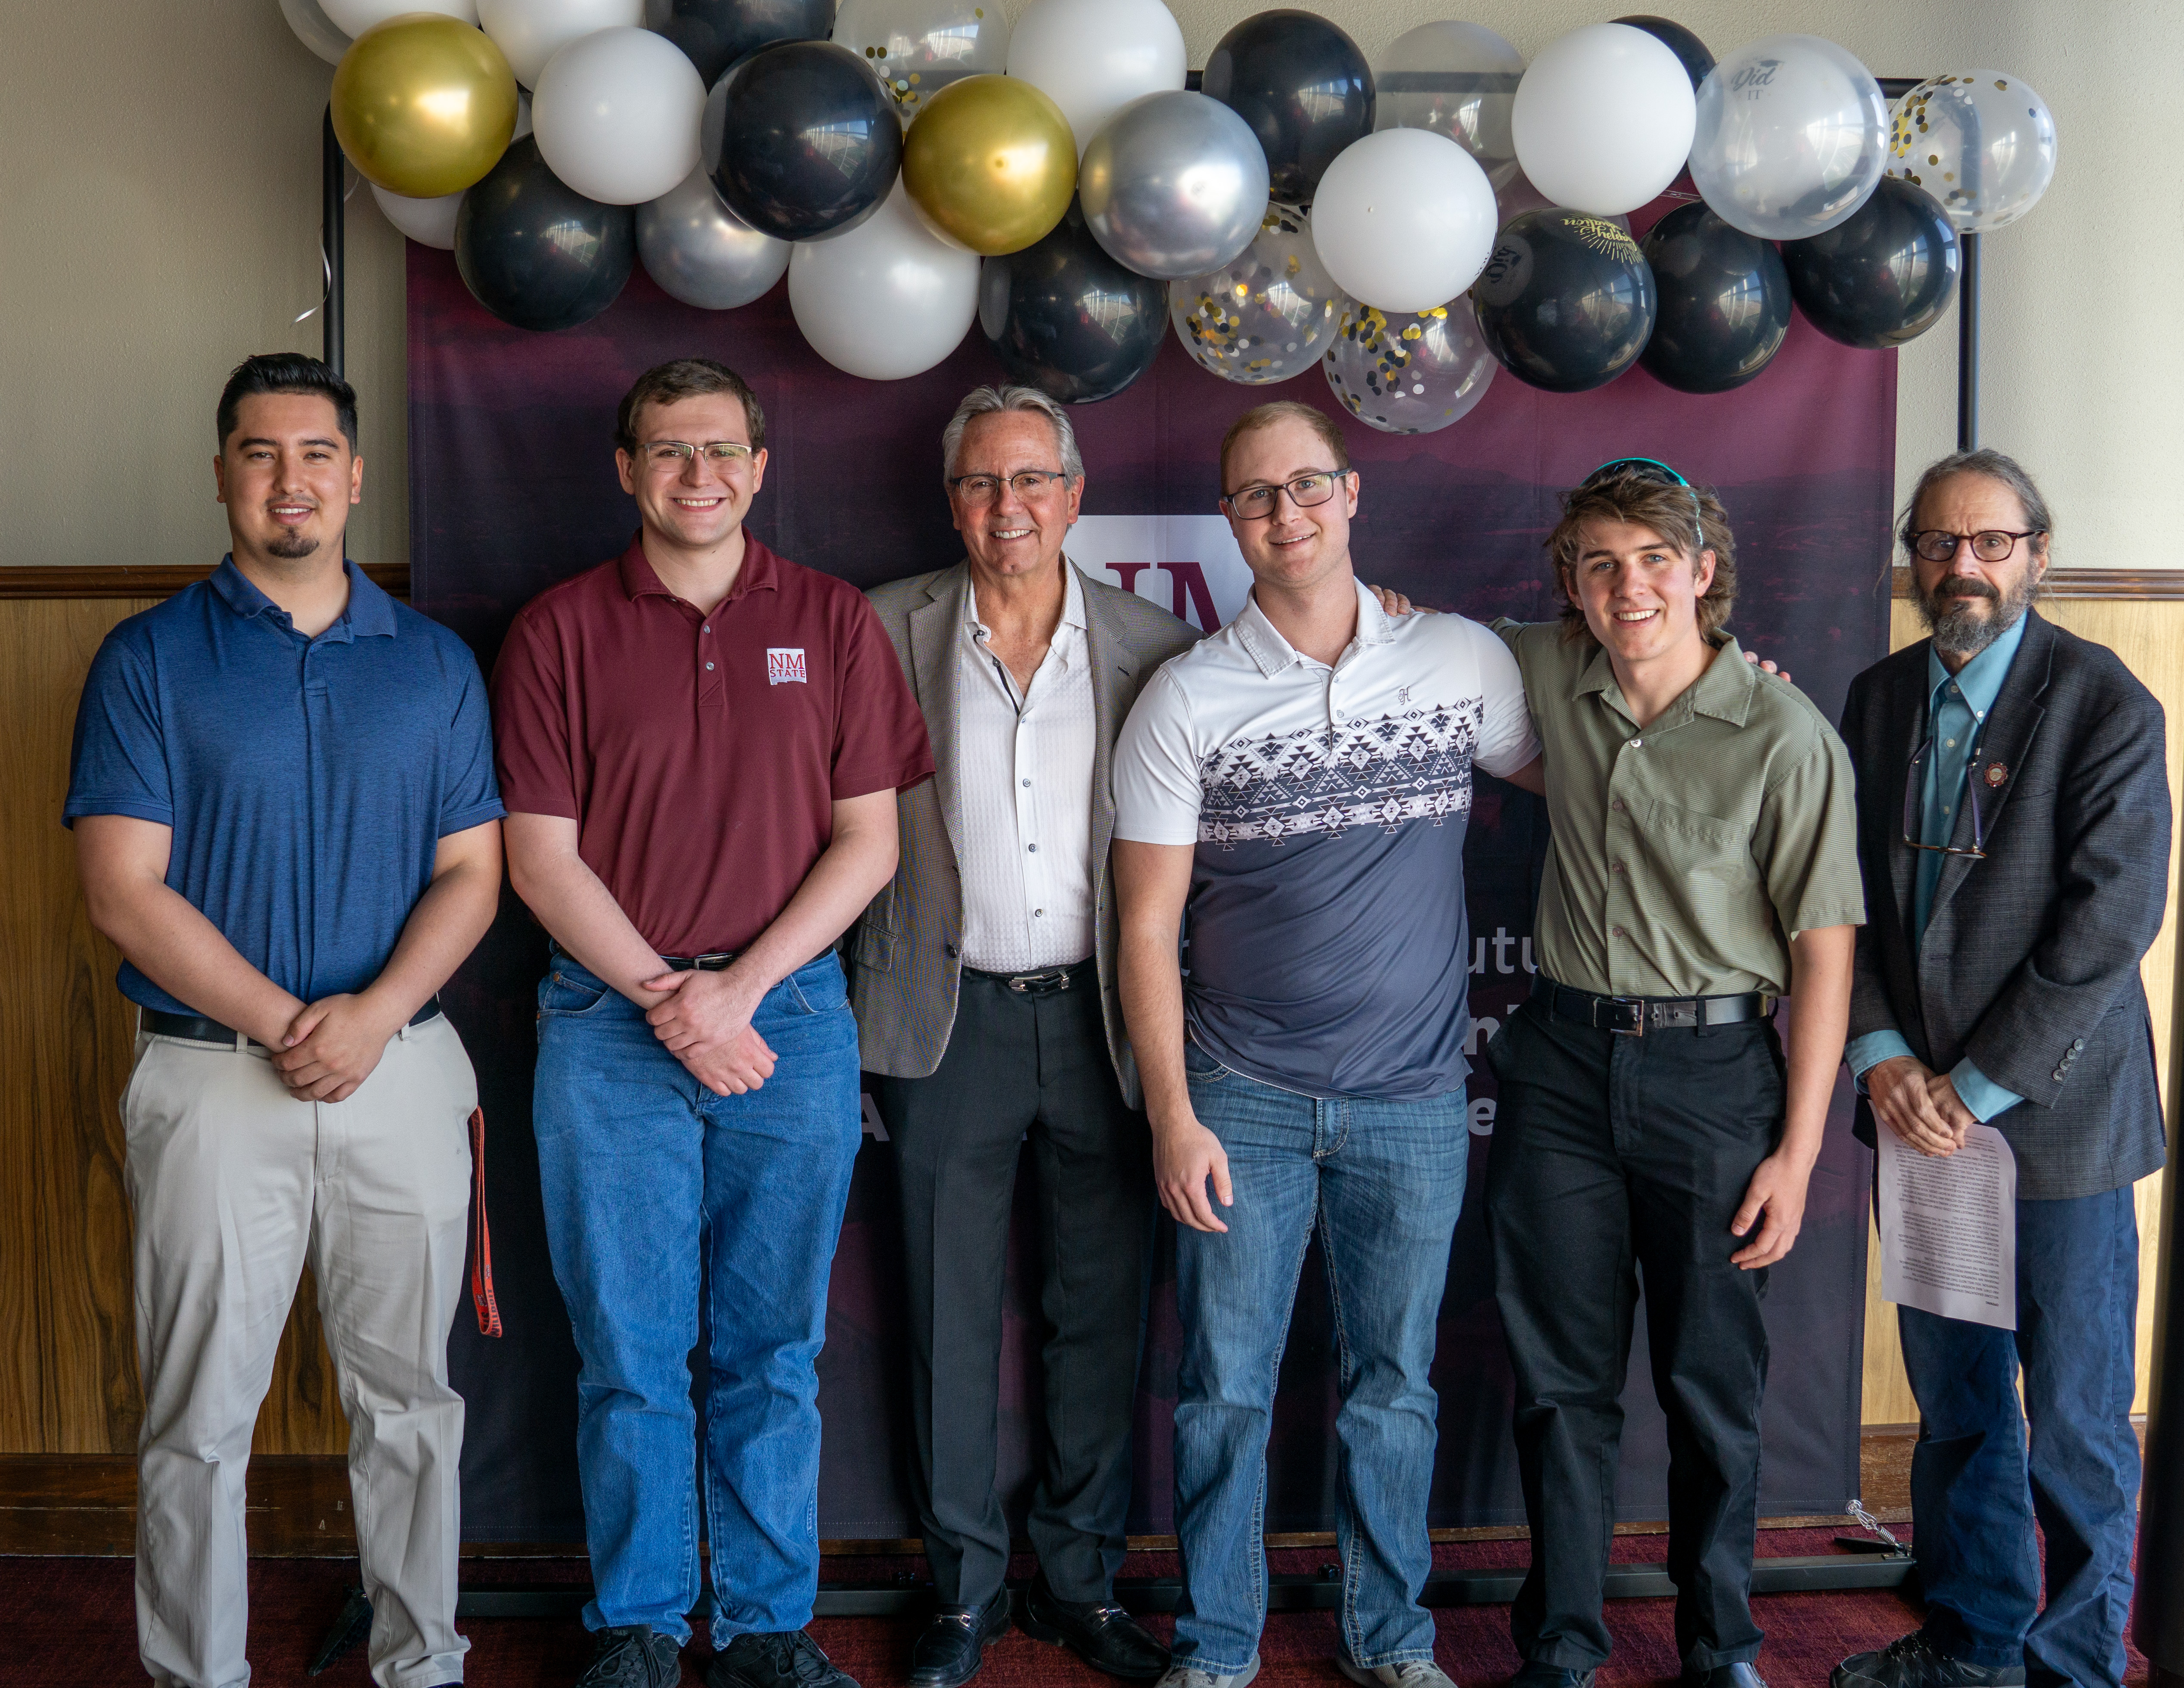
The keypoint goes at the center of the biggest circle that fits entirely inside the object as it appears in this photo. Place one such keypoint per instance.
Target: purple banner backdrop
(513, 488)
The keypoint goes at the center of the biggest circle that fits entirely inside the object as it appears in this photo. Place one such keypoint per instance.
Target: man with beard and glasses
(2014, 832)
(285, 819)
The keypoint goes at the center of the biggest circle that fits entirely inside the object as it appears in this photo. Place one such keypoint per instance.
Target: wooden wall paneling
(2148, 636)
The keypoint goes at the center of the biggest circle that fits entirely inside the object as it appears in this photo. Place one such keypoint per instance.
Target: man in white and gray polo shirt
(1300, 783)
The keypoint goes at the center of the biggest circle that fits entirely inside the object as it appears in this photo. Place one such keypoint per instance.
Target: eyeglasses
(1025, 483)
(1913, 791)
(1993, 544)
(673, 454)
(1648, 469)
(1314, 487)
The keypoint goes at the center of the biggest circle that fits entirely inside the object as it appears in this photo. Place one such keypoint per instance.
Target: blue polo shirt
(308, 781)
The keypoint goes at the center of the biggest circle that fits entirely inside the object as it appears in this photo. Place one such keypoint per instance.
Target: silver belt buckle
(1054, 979)
(1636, 1004)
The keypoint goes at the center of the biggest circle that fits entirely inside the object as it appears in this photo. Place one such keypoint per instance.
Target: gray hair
(1997, 467)
(988, 401)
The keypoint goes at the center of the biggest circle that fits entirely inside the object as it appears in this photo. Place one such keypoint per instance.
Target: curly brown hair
(1690, 519)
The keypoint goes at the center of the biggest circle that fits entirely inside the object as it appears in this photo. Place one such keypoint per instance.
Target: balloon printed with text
(715, 33)
(536, 252)
(1792, 134)
(1566, 302)
(1268, 316)
(1303, 87)
(1885, 276)
(800, 139)
(1723, 309)
(1066, 318)
(1410, 373)
(1982, 144)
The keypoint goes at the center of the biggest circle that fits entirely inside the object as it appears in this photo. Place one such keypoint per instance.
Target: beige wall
(159, 207)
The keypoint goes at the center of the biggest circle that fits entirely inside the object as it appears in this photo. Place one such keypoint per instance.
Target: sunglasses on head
(1647, 469)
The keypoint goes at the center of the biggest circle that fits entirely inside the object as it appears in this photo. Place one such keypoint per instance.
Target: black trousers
(1022, 1068)
(1618, 1160)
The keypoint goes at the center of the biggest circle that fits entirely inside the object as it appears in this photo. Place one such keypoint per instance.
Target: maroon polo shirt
(700, 756)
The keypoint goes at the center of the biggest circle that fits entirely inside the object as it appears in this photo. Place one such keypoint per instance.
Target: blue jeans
(644, 1173)
(1383, 1183)
(1976, 1487)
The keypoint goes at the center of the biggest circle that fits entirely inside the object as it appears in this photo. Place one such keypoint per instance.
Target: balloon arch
(1411, 223)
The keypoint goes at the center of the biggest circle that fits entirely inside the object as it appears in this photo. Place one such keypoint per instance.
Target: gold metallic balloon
(992, 162)
(424, 105)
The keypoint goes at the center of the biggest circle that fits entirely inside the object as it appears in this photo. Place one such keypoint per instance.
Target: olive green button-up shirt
(1684, 853)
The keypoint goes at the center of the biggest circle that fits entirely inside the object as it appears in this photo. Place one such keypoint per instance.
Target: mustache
(1963, 586)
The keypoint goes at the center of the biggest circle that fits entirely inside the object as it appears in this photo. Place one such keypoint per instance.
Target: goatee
(1961, 630)
(292, 546)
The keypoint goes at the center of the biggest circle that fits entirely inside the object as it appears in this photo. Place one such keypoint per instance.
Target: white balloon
(886, 301)
(1092, 58)
(532, 31)
(616, 116)
(315, 29)
(1603, 119)
(353, 17)
(1404, 220)
(429, 222)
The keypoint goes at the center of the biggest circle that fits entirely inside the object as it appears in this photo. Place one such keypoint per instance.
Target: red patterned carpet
(69, 1623)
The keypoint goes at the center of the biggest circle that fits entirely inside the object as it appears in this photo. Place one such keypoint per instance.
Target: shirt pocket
(1707, 861)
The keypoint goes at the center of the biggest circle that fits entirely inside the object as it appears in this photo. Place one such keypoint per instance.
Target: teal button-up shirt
(1957, 708)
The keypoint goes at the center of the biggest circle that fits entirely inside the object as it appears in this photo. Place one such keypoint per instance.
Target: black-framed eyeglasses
(1990, 545)
(1914, 794)
(985, 488)
(1314, 487)
(674, 454)
(1648, 469)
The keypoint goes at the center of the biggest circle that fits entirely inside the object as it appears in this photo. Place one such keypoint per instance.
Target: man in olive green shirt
(1703, 863)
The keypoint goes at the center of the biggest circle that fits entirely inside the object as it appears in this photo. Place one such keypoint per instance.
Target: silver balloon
(1268, 316)
(315, 29)
(1405, 373)
(701, 252)
(1174, 184)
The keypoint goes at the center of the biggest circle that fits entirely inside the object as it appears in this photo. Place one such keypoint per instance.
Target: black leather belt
(195, 1028)
(718, 961)
(1044, 983)
(1634, 1016)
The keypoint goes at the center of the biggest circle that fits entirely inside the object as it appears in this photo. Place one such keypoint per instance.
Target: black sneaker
(633, 1657)
(1911, 1662)
(788, 1659)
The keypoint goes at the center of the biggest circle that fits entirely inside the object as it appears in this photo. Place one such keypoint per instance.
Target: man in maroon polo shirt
(699, 745)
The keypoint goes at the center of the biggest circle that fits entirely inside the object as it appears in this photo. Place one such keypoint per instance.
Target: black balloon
(1303, 85)
(535, 252)
(1680, 41)
(801, 139)
(1724, 302)
(1068, 319)
(715, 33)
(1566, 302)
(1881, 278)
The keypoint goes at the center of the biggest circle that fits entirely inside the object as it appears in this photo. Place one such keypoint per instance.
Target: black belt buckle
(1039, 984)
(1633, 1006)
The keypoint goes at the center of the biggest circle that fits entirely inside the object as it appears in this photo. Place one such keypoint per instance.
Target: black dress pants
(1018, 1067)
(1618, 1160)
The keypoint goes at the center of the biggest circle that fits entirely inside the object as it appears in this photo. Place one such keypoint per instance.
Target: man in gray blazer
(984, 980)
(2013, 830)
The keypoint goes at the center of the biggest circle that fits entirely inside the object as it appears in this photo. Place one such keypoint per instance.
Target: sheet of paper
(1948, 1228)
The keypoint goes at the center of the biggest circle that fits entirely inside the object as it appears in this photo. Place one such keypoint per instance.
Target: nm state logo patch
(785, 664)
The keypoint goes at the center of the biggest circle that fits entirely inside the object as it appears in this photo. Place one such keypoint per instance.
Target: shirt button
(1950, 743)
(1034, 848)
(1039, 913)
(1637, 744)
(1618, 806)
(1616, 933)
(1615, 867)
(709, 667)
(1026, 782)
(708, 629)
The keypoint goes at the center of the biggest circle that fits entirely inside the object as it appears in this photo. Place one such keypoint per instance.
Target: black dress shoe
(1909, 1662)
(951, 1646)
(1534, 1674)
(1738, 1675)
(630, 1655)
(1098, 1631)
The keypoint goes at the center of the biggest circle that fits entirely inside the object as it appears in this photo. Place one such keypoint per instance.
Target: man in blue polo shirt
(287, 819)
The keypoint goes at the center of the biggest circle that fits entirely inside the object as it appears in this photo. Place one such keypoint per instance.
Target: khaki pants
(232, 1181)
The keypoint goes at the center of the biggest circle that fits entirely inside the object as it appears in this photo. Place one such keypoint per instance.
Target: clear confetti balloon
(1457, 79)
(1409, 373)
(1268, 316)
(1982, 144)
(916, 47)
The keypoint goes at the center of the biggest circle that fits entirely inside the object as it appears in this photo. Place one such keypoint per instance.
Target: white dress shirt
(1023, 764)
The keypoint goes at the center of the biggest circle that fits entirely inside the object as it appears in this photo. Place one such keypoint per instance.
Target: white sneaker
(1190, 1676)
(1417, 1673)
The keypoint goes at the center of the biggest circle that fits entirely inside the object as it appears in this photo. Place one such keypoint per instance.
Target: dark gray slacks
(1021, 1068)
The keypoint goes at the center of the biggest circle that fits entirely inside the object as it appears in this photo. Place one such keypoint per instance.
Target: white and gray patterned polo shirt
(1330, 953)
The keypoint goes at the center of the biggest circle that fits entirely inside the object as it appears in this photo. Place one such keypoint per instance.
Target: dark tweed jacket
(2030, 960)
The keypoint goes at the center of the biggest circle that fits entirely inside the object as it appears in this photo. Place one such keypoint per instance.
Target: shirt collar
(1072, 599)
(761, 572)
(1723, 691)
(369, 613)
(1978, 680)
(1263, 643)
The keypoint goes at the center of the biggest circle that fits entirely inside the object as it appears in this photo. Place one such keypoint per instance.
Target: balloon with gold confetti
(916, 47)
(1982, 144)
(1409, 372)
(1268, 314)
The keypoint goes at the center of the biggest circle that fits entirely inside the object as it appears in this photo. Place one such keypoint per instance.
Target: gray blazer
(2030, 960)
(904, 961)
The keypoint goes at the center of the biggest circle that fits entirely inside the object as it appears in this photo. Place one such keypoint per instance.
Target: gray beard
(297, 545)
(1959, 630)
